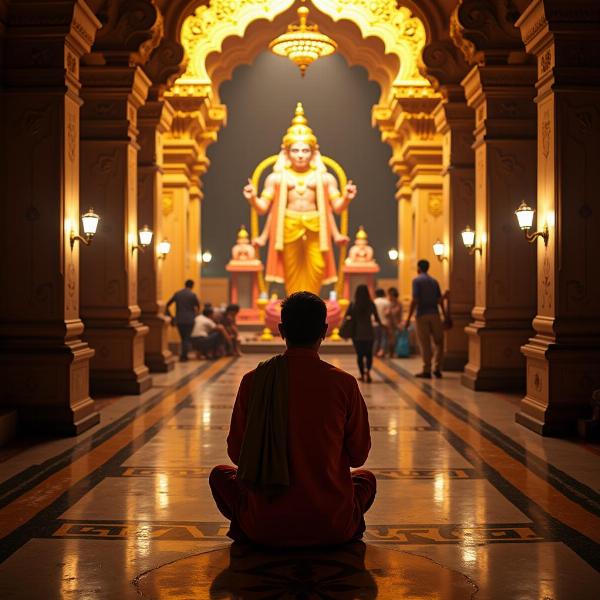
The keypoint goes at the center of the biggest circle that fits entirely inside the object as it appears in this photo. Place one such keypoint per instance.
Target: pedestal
(355, 275)
(243, 289)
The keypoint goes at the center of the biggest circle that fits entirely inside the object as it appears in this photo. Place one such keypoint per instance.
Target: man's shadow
(301, 574)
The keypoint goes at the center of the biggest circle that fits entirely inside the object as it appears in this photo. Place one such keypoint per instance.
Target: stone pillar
(192, 266)
(505, 174)
(455, 121)
(112, 96)
(175, 200)
(154, 119)
(563, 357)
(43, 361)
(406, 239)
(426, 184)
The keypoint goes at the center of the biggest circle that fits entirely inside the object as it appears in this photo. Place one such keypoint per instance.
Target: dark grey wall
(261, 100)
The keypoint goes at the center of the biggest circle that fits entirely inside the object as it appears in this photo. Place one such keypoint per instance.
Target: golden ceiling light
(303, 43)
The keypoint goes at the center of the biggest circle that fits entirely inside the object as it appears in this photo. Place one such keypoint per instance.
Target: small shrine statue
(243, 251)
(360, 254)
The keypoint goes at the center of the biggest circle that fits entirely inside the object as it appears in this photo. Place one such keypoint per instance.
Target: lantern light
(468, 238)
(438, 250)
(89, 222)
(525, 218)
(164, 248)
(393, 254)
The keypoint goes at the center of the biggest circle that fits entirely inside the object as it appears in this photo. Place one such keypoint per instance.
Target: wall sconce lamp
(206, 256)
(438, 250)
(89, 222)
(163, 249)
(393, 254)
(468, 238)
(525, 217)
(145, 236)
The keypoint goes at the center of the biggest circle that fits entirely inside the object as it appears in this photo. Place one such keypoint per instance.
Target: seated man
(207, 335)
(297, 427)
(232, 340)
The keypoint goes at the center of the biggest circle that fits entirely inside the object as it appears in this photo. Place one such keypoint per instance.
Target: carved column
(407, 125)
(455, 121)
(43, 361)
(154, 119)
(109, 150)
(505, 172)
(563, 358)
(500, 89)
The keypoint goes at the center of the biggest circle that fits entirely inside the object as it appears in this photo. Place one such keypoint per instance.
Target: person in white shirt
(207, 335)
(382, 305)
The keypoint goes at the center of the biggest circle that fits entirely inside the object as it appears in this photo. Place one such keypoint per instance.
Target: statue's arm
(339, 202)
(338, 238)
(261, 240)
(261, 203)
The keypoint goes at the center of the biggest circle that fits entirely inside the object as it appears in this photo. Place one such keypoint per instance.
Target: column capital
(156, 113)
(113, 95)
(453, 115)
(130, 32)
(484, 30)
(563, 35)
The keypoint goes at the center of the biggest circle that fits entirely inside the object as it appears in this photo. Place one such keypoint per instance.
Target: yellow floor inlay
(529, 483)
(25, 507)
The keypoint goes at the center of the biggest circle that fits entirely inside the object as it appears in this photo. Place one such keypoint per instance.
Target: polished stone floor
(469, 504)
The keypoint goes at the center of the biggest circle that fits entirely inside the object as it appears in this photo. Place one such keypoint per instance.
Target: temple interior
(239, 152)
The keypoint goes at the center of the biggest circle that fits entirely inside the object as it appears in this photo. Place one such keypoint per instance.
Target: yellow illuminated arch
(204, 32)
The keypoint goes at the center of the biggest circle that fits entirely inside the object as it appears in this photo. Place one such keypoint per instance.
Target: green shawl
(263, 463)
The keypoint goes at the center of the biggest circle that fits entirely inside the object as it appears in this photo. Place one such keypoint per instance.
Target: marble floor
(469, 504)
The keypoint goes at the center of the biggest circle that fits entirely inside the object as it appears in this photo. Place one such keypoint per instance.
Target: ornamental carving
(444, 62)
(204, 32)
(167, 204)
(545, 134)
(131, 29)
(435, 204)
(489, 27)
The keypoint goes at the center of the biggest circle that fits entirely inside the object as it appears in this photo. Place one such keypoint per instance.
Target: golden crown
(299, 131)
(242, 233)
(361, 234)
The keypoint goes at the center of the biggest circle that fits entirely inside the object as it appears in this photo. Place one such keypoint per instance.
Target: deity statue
(243, 251)
(361, 253)
(300, 197)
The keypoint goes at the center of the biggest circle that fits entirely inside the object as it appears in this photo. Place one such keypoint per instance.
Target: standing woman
(394, 319)
(362, 312)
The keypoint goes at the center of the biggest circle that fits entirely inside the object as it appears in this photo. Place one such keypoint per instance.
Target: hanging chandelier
(303, 43)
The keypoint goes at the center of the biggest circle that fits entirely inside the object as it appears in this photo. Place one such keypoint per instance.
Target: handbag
(402, 349)
(348, 326)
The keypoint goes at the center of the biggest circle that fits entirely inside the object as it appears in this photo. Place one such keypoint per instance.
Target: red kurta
(328, 432)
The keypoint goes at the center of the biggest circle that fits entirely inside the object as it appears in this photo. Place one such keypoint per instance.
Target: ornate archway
(384, 38)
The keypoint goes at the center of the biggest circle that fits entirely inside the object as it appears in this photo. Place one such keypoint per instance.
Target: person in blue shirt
(427, 300)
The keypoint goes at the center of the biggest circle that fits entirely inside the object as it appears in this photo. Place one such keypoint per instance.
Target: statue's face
(300, 155)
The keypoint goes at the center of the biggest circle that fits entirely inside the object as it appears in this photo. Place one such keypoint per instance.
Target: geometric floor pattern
(462, 509)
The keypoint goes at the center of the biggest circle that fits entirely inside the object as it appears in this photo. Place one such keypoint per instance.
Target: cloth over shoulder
(263, 462)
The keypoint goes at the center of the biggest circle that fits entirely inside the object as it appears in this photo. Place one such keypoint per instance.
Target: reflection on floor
(125, 509)
(352, 571)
